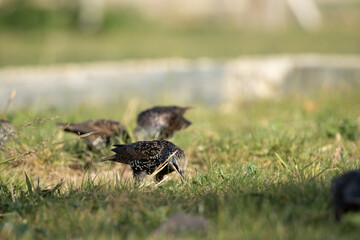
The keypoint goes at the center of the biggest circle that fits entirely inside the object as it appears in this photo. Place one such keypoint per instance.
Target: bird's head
(179, 162)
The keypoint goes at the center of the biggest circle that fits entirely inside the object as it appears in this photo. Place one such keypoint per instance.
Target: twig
(12, 192)
(163, 165)
(12, 95)
(42, 148)
(163, 180)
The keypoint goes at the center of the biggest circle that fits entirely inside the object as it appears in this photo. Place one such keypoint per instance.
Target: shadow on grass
(236, 201)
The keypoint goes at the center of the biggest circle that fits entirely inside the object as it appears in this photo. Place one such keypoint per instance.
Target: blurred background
(67, 52)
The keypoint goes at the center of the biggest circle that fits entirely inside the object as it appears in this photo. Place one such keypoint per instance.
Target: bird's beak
(111, 158)
(182, 176)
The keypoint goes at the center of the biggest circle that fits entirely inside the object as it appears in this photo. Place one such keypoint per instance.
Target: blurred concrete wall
(178, 80)
(272, 77)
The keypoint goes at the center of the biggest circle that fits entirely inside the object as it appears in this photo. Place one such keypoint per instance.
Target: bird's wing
(144, 117)
(162, 117)
(101, 126)
(106, 127)
(80, 128)
(139, 151)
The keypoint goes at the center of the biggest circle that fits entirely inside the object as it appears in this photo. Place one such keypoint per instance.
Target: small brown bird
(6, 131)
(160, 122)
(346, 193)
(104, 129)
(145, 156)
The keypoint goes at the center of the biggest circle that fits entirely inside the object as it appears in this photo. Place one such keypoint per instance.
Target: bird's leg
(338, 214)
(168, 134)
(139, 177)
(159, 177)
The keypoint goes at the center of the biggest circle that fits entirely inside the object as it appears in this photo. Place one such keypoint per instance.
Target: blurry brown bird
(145, 156)
(6, 128)
(6, 131)
(346, 193)
(160, 122)
(104, 129)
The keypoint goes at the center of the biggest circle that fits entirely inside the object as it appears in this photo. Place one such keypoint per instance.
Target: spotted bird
(145, 156)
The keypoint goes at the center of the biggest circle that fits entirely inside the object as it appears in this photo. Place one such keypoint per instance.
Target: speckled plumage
(346, 193)
(6, 130)
(145, 156)
(160, 122)
(105, 130)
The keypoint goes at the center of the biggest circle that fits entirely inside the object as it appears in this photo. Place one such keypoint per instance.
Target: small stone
(182, 223)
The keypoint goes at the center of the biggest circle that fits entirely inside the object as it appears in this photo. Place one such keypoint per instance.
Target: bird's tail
(185, 109)
(111, 158)
(65, 126)
(352, 200)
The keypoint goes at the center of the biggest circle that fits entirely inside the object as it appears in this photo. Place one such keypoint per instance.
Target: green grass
(257, 170)
(19, 48)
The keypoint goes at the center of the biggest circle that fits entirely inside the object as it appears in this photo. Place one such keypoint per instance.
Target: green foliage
(23, 15)
(31, 34)
(349, 129)
(346, 128)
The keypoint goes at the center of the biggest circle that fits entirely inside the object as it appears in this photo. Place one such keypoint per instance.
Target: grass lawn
(48, 47)
(257, 170)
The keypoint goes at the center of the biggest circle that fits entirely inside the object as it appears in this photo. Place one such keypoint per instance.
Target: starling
(160, 122)
(6, 130)
(145, 156)
(104, 129)
(346, 193)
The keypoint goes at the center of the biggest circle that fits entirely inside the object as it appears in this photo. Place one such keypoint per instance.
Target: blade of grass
(29, 185)
(45, 147)
(281, 161)
(57, 186)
